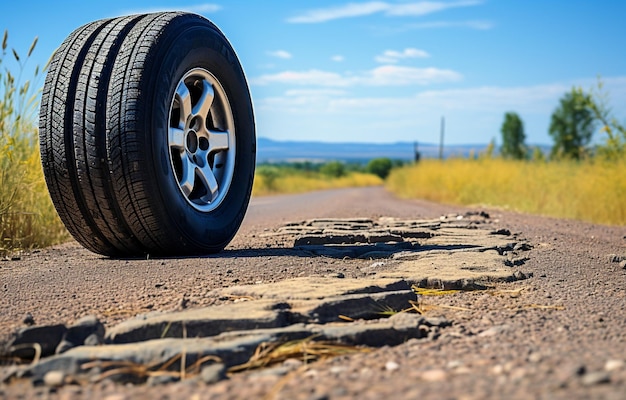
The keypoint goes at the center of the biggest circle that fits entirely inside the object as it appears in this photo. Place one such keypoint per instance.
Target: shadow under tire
(147, 136)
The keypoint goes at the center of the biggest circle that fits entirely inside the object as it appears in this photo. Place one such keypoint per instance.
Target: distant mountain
(278, 151)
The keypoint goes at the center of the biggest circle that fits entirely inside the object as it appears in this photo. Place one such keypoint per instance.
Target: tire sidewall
(182, 47)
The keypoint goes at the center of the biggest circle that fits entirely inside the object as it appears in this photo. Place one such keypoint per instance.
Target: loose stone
(613, 365)
(54, 378)
(391, 366)
(434, 375)
(213, 373)
(595, 378)
(28, 319)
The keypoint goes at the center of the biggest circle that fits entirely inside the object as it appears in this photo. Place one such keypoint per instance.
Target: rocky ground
(536, 311)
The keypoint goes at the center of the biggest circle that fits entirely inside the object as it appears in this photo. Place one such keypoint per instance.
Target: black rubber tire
(104, 125)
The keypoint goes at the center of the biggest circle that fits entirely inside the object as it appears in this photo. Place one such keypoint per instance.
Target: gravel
(558, 334)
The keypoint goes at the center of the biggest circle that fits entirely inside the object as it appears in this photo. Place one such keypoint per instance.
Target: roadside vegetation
(27, 216)
(591, 191)
(300, 177)
(576, 180)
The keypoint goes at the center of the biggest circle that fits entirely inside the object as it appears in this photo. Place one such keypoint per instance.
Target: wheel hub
(201, 139)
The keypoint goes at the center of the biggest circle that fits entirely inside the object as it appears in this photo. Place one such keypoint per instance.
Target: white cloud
(315, 93)
(352, 10)
(426, 7)
(311, 77)
(386, 75)
(527, 99)
(285, 55)
(393, 56)
(472, 114)
(349, 10)
(403, 28)
(478, 25)
(338, 58)
(391, 75)
(204, 8)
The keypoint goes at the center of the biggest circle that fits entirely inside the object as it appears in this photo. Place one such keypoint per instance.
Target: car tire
(147, 136)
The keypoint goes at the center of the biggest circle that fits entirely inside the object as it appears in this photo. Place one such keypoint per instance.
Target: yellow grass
(27, 217)
(307, 350)
(300, 183)
(592, 190)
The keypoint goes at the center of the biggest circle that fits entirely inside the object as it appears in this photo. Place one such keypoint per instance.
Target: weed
(27, 216)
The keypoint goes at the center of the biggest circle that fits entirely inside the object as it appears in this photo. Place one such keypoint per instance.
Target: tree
(614, 147)
(572, 125)
(333, 169)
(379, 166)
(513, 137)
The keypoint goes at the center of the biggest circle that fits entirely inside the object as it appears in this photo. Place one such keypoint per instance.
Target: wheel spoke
(183, 97)
(218, 141)
(188, 176)
(207, 177)
(176, 138)
(205, 101)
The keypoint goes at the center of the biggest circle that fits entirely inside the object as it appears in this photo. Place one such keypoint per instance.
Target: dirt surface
(559, 334)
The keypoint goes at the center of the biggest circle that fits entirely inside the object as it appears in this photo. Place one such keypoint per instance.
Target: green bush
(380, 167)
(333, 169)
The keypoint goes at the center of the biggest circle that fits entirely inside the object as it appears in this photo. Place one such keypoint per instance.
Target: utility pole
(443, 128)
(416, 152)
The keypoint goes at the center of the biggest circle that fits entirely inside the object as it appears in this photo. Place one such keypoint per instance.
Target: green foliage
(380, 167)
(269, 173)
(513, 137)
(333, 169)
(27, 217)
(614, 147)
(572, 125)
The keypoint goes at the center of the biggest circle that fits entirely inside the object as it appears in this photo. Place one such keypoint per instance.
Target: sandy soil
(559, 334)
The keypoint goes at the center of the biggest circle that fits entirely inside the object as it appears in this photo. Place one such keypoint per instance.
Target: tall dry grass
(591, 190)
(27, 216)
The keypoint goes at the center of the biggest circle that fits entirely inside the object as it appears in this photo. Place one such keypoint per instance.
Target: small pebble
(28, 319)
(292, 363)
(337, 369)
(213, 373)
(391, 366)
(183, 302)
(535, 358)
(434, 375)
(54, 378)
(156, 380)
(595, 378)
(612, 365)
(494, 330)
(93, 340)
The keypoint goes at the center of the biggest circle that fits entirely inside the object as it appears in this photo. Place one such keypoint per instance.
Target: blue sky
(387, 71)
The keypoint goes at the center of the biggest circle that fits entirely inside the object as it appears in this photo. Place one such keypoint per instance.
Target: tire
(147, 136)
